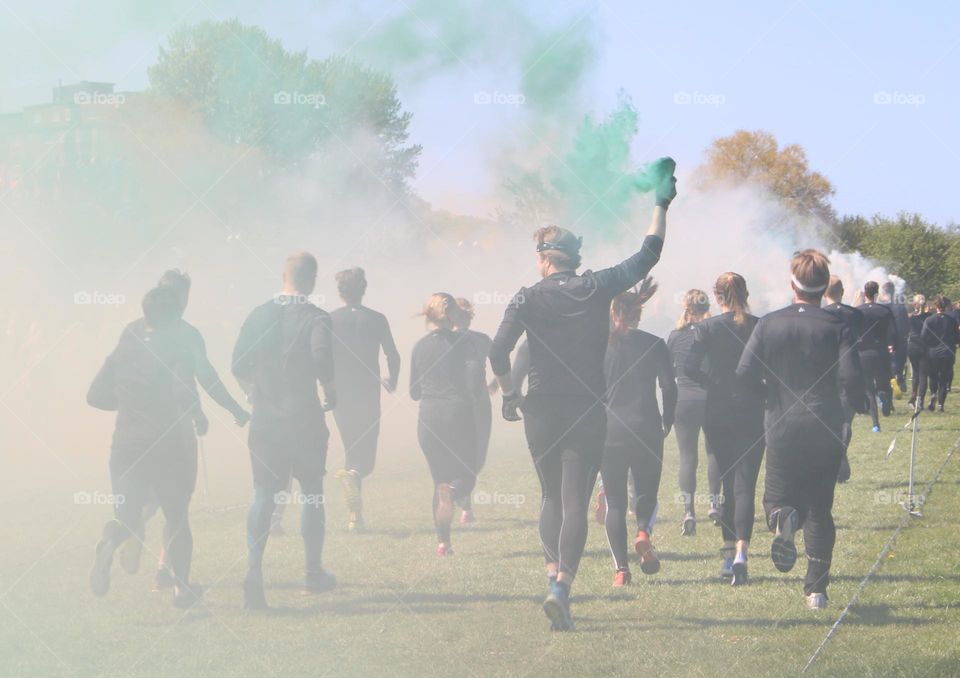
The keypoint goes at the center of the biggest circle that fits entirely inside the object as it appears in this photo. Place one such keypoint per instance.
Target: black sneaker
(318, 582)
(714, 515)
(163, 579)
(739, 570)
(689, 526)
(100, 572)
(186, 596)
(253, 597)
(783, 551)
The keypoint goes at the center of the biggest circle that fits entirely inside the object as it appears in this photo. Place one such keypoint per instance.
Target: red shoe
(621, 578)
(600, 508)
(649, 563)
(444, 549)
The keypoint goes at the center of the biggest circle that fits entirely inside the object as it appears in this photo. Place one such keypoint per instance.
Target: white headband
(803, 288)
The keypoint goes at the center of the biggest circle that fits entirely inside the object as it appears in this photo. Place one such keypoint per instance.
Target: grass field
(400, 610)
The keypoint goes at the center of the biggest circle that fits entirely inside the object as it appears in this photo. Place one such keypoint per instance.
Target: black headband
(541, 247)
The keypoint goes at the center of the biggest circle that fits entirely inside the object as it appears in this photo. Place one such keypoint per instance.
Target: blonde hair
(919, 304)
(811, 269)
(300, 270)
(466, 313)
(441, 310)
(696, 307)
(731, 291)
(565, 254)
(626, 308)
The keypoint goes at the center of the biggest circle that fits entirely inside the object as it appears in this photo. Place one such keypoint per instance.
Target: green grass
(402, 611)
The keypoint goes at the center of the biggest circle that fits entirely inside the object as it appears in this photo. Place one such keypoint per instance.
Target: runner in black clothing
(900, 318)
(833, 301)
(918, 352)
(876, 343)
(940, 334)
(634, 363)
(359, 335)
(442, 378)
(207, 377)
(733, 418)
(149, 380)
(482, 407)
(566, 320)
(688, 420)
(805, 357)
(284, 349)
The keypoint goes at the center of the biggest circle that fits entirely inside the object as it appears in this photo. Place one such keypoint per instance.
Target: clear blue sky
(809, 72)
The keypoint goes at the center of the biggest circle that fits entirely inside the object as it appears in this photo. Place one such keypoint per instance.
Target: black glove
(241, 417)
(667, 426)
(329, 397)
(512, 403)
(666, 190)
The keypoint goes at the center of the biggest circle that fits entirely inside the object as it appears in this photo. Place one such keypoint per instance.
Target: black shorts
(294, 447)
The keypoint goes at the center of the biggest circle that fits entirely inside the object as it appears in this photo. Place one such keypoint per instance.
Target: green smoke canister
(654, 173)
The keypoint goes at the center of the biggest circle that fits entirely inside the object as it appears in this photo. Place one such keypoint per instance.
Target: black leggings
(446, 433)
(738, 452)
(644, 461)
(941, 376)
(565, 436)
(876, 375)
(687, 424)
(920, 374)
(804, 480)
(482, 422)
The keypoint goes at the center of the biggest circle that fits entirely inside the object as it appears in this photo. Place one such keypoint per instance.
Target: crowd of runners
(785, 386)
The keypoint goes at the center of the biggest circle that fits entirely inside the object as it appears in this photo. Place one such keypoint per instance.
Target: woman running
(688, 419)
(805, 357)
(439, 380)
(876, 343)
(733, 418)
(940, 335)
(479, 344)
(566, 318)
(917, 352)
(634, 363)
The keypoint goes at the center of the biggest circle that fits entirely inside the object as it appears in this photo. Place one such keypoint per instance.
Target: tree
(252, 91)
(755, 157)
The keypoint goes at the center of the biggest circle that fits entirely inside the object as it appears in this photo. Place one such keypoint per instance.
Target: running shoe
(467, 517)
(444, 549)
(933, 405)
(600, 508)
(318, 582)
(163, 579)
(253, 597)
(739, 569)
(100, 572)
(649, 563)
(557, 608)
(714, 515)
(622, 578)
(726, 565)
(356, 525)
(783, 551)
(689, 526)
(941, 409)
(130, 552)
(817, 601)
(186, 596)
(876, 429)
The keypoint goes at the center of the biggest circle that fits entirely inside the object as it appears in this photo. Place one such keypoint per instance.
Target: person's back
(359, 332)
(479, 345)
(438, 368)
(940, 335)
(679, 343)
(632, 365)
(719, 343)
(878, 327)
(851, 316)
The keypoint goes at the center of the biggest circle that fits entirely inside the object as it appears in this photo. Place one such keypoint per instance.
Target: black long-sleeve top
(852, 317)
(566, 318)
(712, 361)
(635, 362)
(359, 334)
(940, 335)
(285, 348)
(805, 356)
(679, 342)
(478, 345)
(439, 367)
(915, 330)
(879, 328)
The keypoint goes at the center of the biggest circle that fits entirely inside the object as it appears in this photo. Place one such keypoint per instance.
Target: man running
(284, 349)
(359, 335)
(940, 336)
(149, 380)
(876, 344)
(566, 318)
(833, 302)
(902, 322)
(805, 356)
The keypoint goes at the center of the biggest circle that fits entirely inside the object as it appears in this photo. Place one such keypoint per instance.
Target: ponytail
(696, 307)
(731, 291)
(441, 310)
(626, 308)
